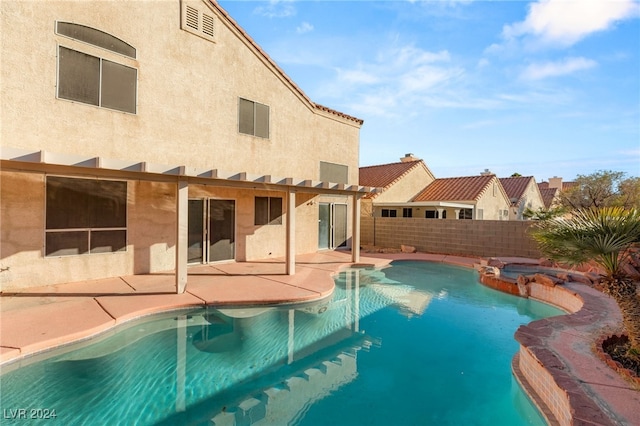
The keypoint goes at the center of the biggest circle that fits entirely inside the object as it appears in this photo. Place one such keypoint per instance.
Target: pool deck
(38, 319)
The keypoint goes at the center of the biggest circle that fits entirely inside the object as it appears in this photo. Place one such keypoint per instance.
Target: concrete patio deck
(37, 319)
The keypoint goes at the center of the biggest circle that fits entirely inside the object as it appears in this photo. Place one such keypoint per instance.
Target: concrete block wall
(483, 238)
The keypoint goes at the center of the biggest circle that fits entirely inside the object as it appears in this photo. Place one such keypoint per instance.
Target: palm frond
(602, 235)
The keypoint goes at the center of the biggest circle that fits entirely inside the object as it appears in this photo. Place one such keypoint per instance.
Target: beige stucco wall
(187, 114)
(188, 90)
(493, 201)
(402, 191)
(531, 199)
(151, 231)
(150, 237)
(407, 187)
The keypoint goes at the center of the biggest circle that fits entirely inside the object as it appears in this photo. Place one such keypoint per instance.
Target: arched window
(86, 78)
(96, 37)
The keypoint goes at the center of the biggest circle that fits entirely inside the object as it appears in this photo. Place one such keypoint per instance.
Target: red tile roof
(565, 185)
(224, 13)
(468, 188)
(548, 194)
(385, 175)
(515, 187)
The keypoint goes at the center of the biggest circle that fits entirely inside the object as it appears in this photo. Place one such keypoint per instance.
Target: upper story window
(332, 172)
(90, 79)
(95, 37)
(253, 118)
(407, 212)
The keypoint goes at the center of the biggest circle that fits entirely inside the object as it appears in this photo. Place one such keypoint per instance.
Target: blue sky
(541, 88)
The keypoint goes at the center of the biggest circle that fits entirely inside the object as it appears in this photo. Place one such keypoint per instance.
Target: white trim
(427, 204)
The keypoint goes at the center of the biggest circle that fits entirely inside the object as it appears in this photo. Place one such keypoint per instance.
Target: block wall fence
(482, 238)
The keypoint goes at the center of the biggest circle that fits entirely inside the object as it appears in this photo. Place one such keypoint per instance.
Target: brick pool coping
(560, 363)
(557, 363)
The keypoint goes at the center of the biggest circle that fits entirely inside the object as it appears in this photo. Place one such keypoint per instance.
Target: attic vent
(192, 18)
(207, 25)
(197, 19)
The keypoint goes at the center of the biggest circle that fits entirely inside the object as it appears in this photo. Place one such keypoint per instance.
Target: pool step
(281, 403)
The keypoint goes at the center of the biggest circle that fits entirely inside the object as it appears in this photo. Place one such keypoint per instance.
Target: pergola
(77, 165)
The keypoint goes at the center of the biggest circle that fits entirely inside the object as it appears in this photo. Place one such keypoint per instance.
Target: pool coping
(589, 390)
(558, 364)
(559, 361)
(38, 320)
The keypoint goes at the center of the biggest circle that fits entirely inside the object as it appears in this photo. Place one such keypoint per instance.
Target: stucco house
(523, 192)
(398, 183)
(551, 190)
(140, 137)
(468, 197)
(409, 189)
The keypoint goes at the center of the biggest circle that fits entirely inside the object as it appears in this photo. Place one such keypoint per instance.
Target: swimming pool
(417, 343)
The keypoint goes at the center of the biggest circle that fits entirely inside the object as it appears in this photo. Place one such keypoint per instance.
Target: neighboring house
(524, 194)
(550, 191)
(140, 137)
(469, 197)
(398, 182)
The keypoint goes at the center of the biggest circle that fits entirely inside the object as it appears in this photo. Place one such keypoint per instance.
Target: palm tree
(604, 236)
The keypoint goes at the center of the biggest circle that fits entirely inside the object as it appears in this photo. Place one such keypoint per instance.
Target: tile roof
(548, 194)
(565, 185)
(255, 45)
(385, 175)
(468, 188)
(515, 187)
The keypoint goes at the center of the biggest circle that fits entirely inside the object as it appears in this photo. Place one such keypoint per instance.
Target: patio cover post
(290, 257)
(182, 205)
(355, 230)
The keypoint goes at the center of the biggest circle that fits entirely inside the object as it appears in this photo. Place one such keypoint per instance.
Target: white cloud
(357, 77)
(555, 69)
(423, 78)
(398, 79)
(566, 22)
(305, 27)
(276, 9)
(630, 152)
(483, 63)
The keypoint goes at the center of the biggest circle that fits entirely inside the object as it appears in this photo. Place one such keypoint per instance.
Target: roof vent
(198, 19)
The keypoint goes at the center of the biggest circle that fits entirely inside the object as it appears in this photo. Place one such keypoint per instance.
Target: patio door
(332, 225)
(211, 230)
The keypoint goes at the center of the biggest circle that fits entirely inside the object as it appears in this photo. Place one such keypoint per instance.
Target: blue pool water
(413, 344)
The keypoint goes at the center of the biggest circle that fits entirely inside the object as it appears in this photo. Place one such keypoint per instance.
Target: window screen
(253, 118)
(118, 86)
(332, 172)
(95, 81)
(95, 37)
(268, 211)
(78, 76)
(85, 216)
